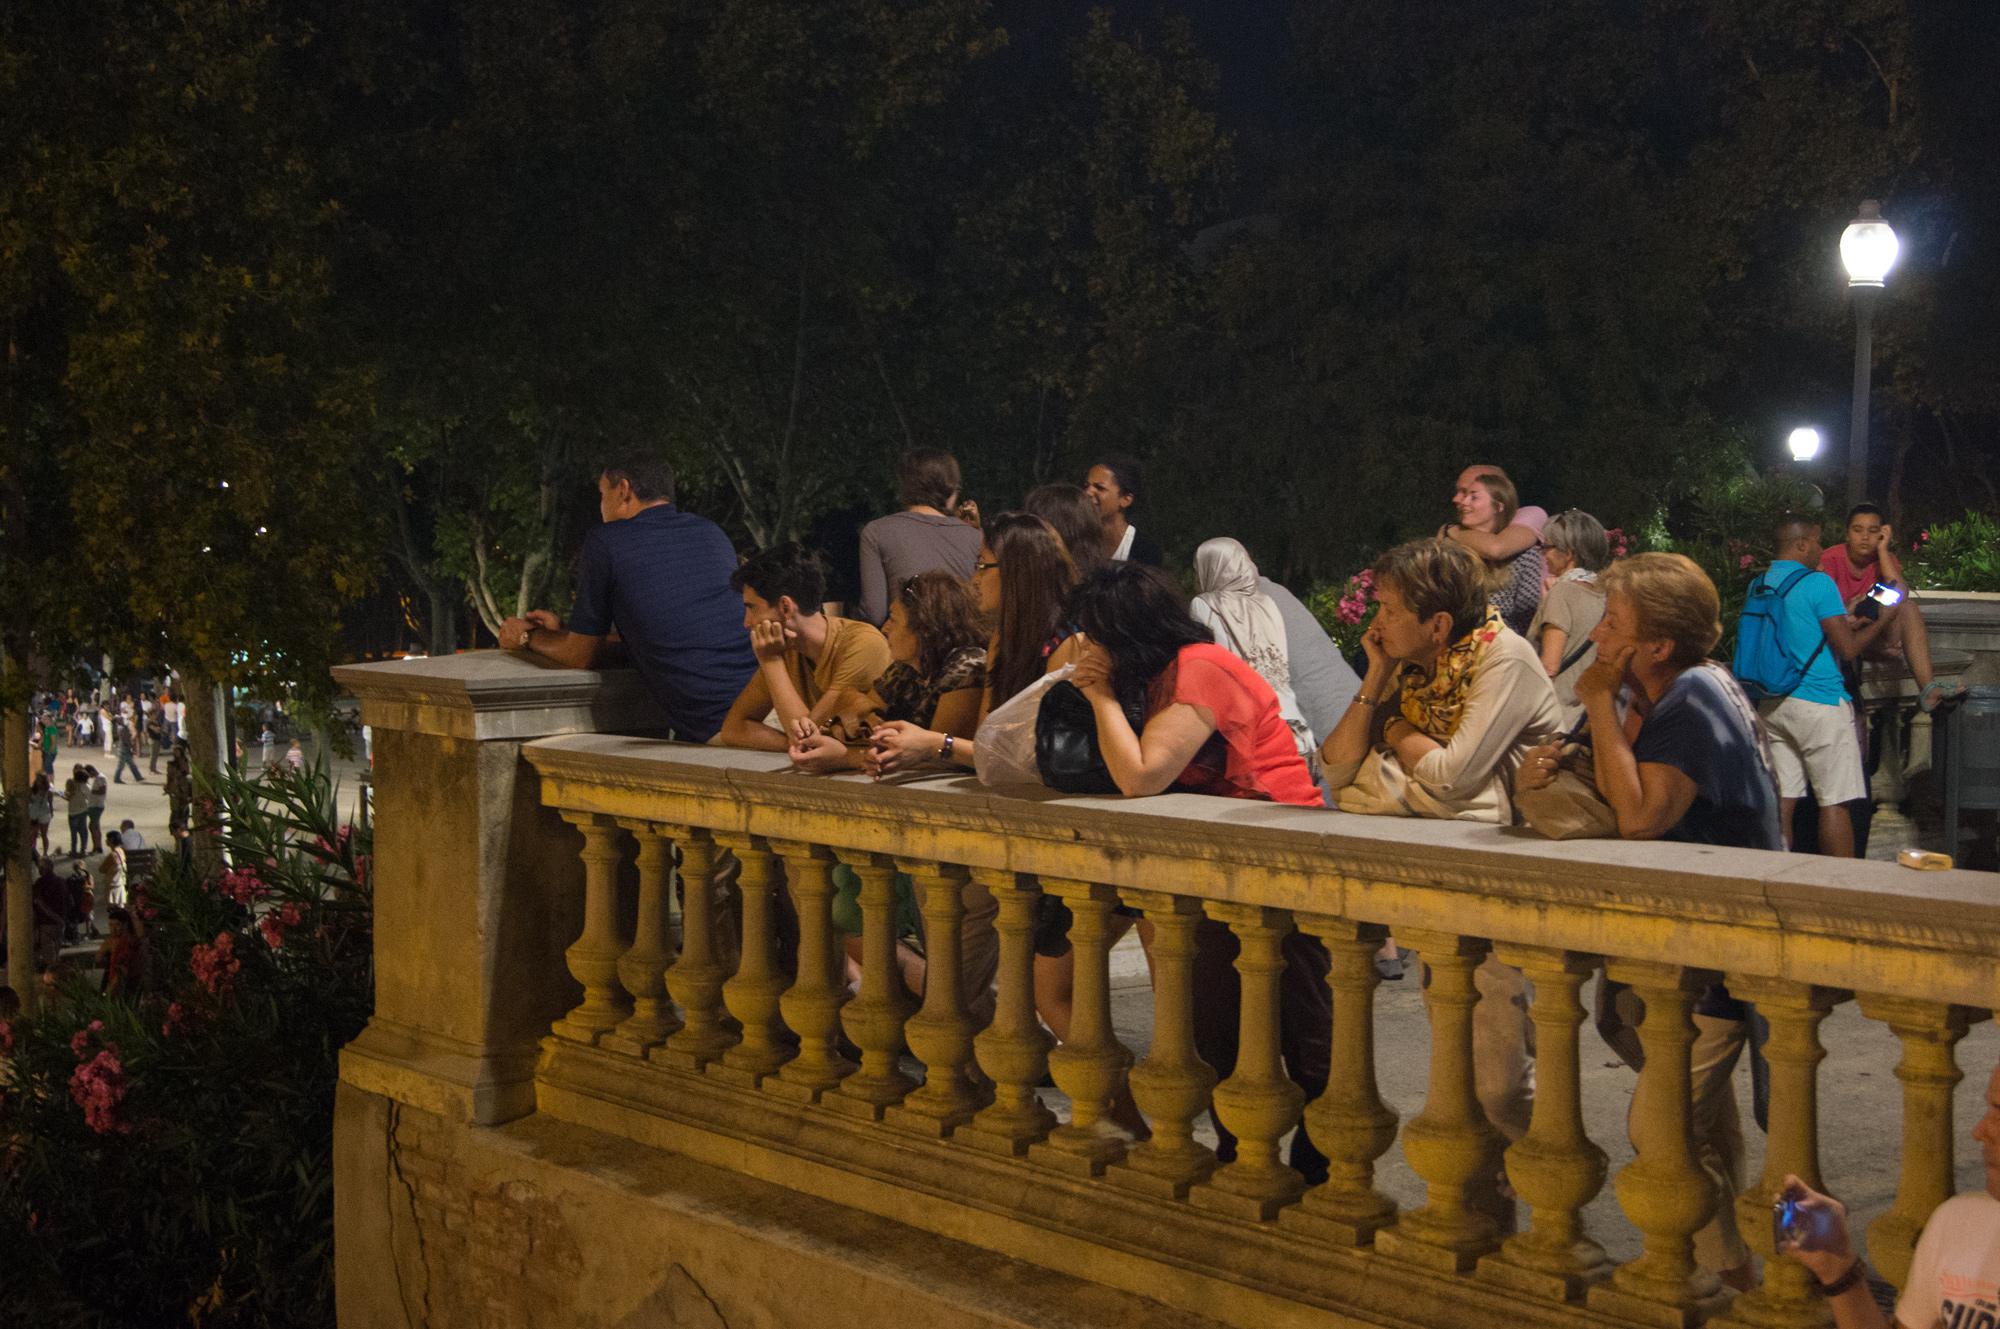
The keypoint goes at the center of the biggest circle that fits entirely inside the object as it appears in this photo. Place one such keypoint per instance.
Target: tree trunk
(19, 847)
(442, 639)
(206, 732)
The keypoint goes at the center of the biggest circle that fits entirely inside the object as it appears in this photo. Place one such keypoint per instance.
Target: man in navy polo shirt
(660, 577)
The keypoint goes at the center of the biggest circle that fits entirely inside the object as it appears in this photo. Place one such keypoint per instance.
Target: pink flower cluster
(1743, 563)
(1353, 606)
(337, 847)
(242, 885)
(177, 1020)
(216, 966)
(98, 1087)
(6, 1037)
(1621, 543)
(271, 927)
(79, 1042)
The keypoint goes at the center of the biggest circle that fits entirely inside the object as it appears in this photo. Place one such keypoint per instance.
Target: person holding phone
(1860, 565)
(1954, 1279)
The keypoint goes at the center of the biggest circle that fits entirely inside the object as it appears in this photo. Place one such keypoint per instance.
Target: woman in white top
(1247, 622)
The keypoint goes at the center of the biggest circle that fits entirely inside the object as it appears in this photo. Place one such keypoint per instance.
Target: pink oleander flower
(216, 966)
(176, 1021)
(1744, 562)
(98, 1087)
(80, 1040)
(272, 931)
(242, 885)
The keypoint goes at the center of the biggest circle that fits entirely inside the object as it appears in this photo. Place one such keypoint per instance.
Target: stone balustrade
(732, 1039)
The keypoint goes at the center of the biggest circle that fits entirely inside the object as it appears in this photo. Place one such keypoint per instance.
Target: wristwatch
(944, 748)
(1855, 1273)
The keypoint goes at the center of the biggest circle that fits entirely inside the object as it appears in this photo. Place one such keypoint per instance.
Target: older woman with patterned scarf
(1452, 701)
(1451, 704)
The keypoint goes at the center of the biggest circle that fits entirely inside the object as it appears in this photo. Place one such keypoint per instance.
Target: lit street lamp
(1867, 250)
(1804, 443)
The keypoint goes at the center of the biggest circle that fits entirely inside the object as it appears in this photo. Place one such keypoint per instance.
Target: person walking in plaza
(1114, 483)
(808, 661)
(156, 737)
(660, 577)
(1792, 615)
(1685, 761)
(1246, 622)
(1451, 704)
(1868, 556)
(100, 794)
(41, 811)
(1954, 1278)
(927, 534)
(51, 730)
(76, 803)
(126, 756)
(1575, 551)
(107, 716)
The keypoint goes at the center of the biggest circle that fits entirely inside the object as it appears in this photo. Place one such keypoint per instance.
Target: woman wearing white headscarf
(1247, 622)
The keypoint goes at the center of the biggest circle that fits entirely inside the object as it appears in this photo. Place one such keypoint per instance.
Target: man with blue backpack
(1791, 617)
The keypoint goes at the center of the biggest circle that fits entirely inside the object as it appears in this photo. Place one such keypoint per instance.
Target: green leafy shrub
(1962, 555)
(167, 1159)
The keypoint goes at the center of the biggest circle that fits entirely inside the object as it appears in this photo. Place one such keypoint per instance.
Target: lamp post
(1867, 250)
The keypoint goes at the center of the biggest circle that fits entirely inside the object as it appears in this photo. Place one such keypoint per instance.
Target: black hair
(1865, 509)
(1125, 471)
(927, 476)
(650, 475)
(1139, 615)
(1067, 508)
(1787, 527)
(788, 569)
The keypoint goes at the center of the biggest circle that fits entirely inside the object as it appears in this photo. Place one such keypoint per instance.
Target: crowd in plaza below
(1513, 671)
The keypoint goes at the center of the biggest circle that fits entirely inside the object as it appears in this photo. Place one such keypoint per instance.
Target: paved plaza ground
(1860, 1105)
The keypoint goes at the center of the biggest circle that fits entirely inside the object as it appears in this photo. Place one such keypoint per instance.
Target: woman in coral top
(1212, 726)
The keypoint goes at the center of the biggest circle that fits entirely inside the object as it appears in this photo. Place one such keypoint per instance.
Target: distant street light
(1868, 250)
(1804, 443)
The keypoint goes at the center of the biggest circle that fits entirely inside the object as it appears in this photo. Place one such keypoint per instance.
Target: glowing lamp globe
(1804, 444)
(1868, 246)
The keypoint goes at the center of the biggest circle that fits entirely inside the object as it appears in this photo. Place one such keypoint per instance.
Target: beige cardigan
(1511, 708)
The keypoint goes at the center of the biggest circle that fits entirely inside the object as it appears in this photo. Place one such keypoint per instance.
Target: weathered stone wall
(445, 1224)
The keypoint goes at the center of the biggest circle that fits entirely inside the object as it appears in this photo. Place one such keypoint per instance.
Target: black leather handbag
(1066, 748)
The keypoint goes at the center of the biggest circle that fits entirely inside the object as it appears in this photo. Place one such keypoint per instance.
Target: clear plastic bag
(1004, 747)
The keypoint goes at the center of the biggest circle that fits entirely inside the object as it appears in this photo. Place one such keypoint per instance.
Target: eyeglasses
(978, 568)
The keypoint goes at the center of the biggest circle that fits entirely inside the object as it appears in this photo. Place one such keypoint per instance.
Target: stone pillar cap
(499, 695)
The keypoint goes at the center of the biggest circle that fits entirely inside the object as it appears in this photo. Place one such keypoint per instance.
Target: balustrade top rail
(1841, 924)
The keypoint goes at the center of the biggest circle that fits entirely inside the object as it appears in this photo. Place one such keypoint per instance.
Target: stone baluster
(1172, 1085)
(1091, 1066)
(753, 992)
(643, 968)
(593, 957)
(1554, 1167)
(1450, 1144)
(811, 1006)
(1258, 1102)
(1787, 1296)
(1014, 1049)
(1349, 1123)
(874, 1019)
(940, 1034)
(1929, 1032)
(1663, 1191)
(696, 979)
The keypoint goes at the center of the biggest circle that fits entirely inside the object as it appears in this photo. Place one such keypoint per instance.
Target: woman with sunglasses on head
(1575, 549)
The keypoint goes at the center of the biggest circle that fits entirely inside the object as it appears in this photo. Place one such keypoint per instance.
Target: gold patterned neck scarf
(1436, 705)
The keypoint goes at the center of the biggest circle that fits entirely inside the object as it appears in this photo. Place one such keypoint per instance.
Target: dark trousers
(79, 834)
(125, 758)
(1305, 1024)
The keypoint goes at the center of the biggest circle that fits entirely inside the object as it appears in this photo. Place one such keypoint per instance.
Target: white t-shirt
(1955, 1276)
(1124, 550)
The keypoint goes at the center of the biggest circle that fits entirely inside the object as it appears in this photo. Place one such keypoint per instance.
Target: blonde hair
(1672, 599)
(1505, 497)
(1438, 576)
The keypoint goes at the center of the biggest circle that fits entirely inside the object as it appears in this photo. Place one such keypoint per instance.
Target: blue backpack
(1764, 666)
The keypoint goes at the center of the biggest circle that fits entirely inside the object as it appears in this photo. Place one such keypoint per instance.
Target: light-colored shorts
(1814, 743)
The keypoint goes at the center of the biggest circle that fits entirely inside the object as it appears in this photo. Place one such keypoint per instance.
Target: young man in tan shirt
(808, 660)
